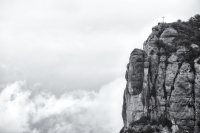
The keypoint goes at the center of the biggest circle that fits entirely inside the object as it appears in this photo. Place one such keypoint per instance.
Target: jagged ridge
(163, 81)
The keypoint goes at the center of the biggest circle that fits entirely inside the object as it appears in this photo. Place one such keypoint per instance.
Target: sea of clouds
(77, 111)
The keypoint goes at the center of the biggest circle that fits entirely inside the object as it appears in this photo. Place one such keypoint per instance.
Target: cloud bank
(78, 111)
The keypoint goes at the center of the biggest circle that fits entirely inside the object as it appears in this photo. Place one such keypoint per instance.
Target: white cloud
(74, 112)
(15, 108)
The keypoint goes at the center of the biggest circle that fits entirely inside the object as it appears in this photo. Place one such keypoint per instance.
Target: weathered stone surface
(134, 109)
(160, 82)
(168, 35)
(150, 45)
(181, 110)
(197, 94)
(135, 72)
(169, 32)
(133, 104)
(171, 72)
(162, 94)
(145, 92)
(182, 53)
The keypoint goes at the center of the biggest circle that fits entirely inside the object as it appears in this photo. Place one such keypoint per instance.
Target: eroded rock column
(197, 94)
(133, 107)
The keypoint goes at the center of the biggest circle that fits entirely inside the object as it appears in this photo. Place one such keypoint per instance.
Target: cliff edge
(162, 93)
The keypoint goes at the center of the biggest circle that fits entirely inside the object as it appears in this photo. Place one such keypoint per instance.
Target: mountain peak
(162, 93)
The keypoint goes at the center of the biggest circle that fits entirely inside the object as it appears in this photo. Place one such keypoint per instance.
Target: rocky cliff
(162, 93)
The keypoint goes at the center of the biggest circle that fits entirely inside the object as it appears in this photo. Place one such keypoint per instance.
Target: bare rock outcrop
(168, 35)
(132, 93)
(162, 93)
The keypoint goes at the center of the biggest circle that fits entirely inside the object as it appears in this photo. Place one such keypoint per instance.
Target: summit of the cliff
(163, 81)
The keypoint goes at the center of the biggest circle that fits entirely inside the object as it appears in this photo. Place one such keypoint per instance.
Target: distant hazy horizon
(62, 62)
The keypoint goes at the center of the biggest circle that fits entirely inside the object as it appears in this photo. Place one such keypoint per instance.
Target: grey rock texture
(197, 94)
(162, 93)
(168, 35)
(132, 93)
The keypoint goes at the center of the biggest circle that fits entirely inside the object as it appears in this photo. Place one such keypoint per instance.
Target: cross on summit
(163, 18)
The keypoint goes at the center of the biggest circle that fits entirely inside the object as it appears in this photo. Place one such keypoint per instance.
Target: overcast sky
(81, 44)
(57, 47)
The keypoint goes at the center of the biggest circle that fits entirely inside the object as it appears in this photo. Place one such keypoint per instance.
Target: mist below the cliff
(77, 111)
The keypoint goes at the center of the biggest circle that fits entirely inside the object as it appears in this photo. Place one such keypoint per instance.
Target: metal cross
(163, 18)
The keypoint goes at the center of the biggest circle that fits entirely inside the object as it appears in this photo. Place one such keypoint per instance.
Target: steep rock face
(133, 107)
(197, 94)
(181, 101)
(160, 91)
(162, 94)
